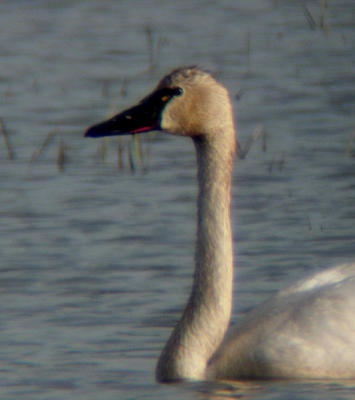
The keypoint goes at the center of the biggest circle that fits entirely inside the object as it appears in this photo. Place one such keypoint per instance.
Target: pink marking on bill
(144, 129)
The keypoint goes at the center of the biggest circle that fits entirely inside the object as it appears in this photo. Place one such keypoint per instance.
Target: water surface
(96, 263)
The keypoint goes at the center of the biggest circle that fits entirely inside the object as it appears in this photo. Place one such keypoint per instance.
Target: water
(96, 263)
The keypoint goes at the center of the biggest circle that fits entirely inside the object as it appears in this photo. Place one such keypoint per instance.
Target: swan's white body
(305, 331)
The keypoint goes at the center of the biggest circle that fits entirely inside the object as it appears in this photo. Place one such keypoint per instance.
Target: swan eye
(172, 92)
(179, 91)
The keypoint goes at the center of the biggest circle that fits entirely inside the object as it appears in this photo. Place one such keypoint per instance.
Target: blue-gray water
(96, 263)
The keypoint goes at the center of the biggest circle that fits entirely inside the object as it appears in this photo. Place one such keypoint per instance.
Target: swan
(304, 332)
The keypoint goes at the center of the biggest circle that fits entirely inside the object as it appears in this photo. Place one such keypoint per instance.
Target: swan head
(186, 102)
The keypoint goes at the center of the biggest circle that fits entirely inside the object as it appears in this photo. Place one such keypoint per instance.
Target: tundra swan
(305, 331)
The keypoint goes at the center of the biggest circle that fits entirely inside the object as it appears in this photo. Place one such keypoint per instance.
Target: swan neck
(206, 316)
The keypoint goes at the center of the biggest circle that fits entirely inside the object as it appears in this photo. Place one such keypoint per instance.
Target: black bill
(144, 117)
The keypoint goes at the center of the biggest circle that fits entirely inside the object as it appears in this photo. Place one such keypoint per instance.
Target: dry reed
(312, 22)
(349, 152)
(242, 151)
(47, 141)
(5, 135)
(61, 153)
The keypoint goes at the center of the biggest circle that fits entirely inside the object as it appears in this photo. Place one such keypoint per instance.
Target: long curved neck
(206, 316)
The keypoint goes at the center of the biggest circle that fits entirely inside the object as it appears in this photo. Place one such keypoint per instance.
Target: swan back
(304, 331)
